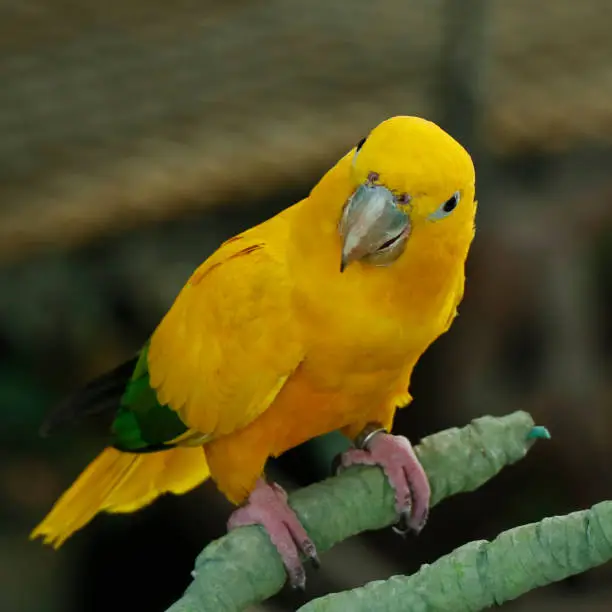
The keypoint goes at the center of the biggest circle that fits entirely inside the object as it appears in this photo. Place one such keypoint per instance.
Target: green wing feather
(142, 424)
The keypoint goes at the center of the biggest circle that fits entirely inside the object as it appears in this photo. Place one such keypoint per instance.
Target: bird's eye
(446, 208)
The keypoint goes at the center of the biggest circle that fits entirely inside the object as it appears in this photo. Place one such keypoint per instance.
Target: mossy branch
(483, 574)
(243, 567)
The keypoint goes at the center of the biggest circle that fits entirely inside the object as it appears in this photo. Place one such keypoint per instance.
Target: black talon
(336, 464)
(298, 581)
(402, 527)
(311, 553)
(418, 529)
(314, 559)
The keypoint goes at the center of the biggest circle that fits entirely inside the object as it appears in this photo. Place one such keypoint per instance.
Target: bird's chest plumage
(371, 321)
(358, 362)
(309, 410)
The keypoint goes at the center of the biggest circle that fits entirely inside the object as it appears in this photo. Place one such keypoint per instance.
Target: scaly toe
(395, 455)
(267, 506)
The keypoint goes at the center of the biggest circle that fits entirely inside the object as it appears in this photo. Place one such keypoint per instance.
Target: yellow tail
(121, 482)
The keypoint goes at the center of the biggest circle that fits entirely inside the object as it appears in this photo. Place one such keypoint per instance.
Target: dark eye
(360, 144)
(450, 204)
(446, 208)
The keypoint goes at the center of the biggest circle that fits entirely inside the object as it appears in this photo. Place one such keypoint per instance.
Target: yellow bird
(307, 323)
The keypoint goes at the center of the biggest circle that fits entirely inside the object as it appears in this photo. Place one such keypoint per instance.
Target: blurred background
(136, 135)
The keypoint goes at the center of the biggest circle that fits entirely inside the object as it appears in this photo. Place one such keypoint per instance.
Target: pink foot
(395, 455)
(267, 506)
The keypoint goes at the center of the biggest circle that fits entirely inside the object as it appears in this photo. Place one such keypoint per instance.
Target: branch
(243, 567)
(483, 574)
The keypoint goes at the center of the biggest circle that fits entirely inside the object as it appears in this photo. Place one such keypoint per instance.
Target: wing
(141, 424)
(230, 340)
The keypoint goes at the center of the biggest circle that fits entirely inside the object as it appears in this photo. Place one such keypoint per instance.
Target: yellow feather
(211, 357)
(121, 482)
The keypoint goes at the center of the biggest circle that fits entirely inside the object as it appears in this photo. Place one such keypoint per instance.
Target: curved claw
(402, 527)
(336, 466)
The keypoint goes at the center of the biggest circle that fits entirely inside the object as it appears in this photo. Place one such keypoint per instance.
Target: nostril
(373, 177)
(404, 198)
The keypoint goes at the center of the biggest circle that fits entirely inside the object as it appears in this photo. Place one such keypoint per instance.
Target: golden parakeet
(309, 322)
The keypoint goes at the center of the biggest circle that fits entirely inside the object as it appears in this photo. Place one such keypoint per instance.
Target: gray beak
(373, 228)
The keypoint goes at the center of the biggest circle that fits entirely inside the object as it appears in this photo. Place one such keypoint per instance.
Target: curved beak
(371, 222)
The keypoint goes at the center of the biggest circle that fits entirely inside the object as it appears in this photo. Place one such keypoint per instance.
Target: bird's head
(410, 179)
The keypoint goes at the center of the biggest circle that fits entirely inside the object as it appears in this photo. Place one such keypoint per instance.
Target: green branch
(243, 567)
(483, 574)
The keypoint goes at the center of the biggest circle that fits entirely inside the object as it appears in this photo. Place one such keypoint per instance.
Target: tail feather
(101, 395)
(121, 482)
